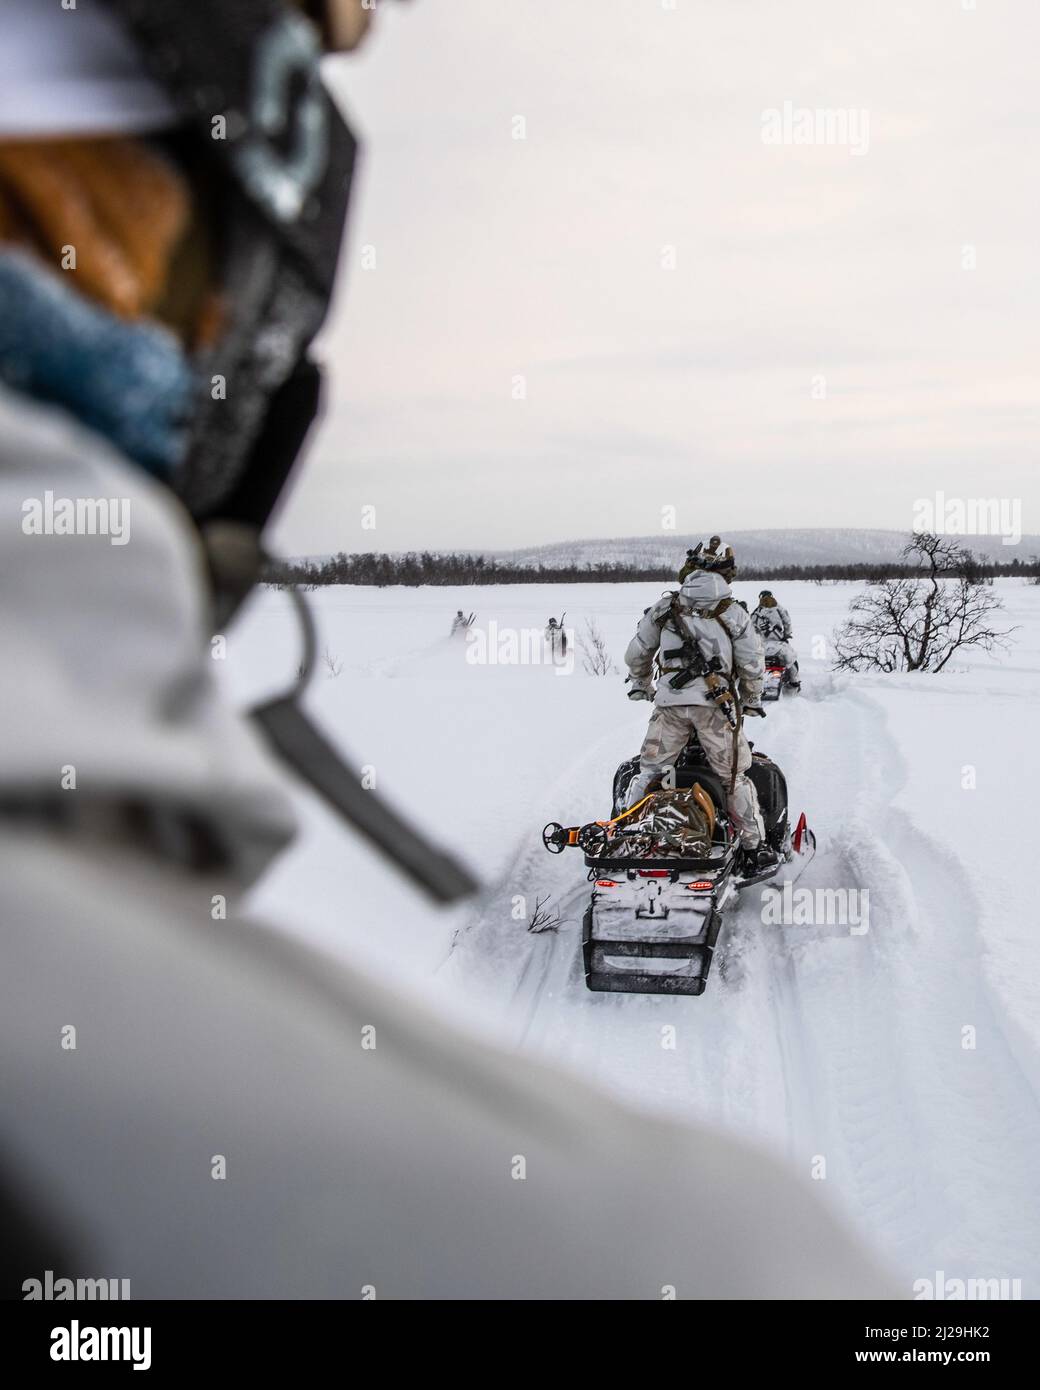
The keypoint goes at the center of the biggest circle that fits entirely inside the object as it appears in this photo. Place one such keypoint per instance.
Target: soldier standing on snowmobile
(772, 622)
(710, 555)
(702, 619)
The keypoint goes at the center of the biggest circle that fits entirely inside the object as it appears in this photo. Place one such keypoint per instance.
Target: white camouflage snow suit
(772, 622)
(712, 618)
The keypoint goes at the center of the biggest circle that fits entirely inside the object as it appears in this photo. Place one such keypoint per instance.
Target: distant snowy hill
(756, 549)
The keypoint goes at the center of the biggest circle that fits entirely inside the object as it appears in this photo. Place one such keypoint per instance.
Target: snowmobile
(778, 675)
(664, 871)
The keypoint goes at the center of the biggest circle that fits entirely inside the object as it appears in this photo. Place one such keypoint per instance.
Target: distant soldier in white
(556, 638)
(460, 624)
(698, 636)
(773, 624)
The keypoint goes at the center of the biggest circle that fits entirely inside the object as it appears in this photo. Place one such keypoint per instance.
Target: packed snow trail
(818, 1043)
(844, 1050)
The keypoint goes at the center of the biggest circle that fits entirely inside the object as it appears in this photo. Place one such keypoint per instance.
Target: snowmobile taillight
(655, 873)
(607, 883)
(700, 885)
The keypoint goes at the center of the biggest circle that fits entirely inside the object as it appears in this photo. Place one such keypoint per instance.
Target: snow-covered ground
(906, 1057)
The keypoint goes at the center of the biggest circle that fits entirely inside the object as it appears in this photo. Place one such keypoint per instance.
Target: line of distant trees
(425, 567)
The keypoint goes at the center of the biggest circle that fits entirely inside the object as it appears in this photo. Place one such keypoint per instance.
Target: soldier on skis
(688, 633)
(556, 637)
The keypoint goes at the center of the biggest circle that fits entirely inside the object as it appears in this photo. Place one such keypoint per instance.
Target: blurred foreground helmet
(231, 90)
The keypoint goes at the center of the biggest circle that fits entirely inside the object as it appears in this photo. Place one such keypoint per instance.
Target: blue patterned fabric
(131, 382)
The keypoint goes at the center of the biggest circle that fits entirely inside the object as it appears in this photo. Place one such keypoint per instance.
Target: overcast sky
(818, 356)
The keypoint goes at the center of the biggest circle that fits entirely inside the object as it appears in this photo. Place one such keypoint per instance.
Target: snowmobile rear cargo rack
(652, 923)
(603, 975)
(697, 866)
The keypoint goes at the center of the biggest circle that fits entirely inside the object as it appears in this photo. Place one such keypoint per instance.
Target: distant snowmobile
(664, 871)
(773, 625)
(781, 673)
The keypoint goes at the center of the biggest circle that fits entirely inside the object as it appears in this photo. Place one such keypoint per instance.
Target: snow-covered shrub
(594, 655)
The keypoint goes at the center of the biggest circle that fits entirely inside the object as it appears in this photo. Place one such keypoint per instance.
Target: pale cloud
(692, 386)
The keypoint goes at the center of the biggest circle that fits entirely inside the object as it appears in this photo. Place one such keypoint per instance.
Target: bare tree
(545, 917)
(917, 624)
(594, 655)
(333, 665)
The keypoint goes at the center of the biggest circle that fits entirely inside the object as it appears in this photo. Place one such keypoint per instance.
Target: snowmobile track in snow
(842, 1049)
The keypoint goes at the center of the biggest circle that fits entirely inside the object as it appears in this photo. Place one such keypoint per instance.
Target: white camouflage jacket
(773, 622)
(728, 634)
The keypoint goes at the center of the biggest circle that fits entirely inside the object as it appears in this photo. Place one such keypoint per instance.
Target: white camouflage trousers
(665, 739)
